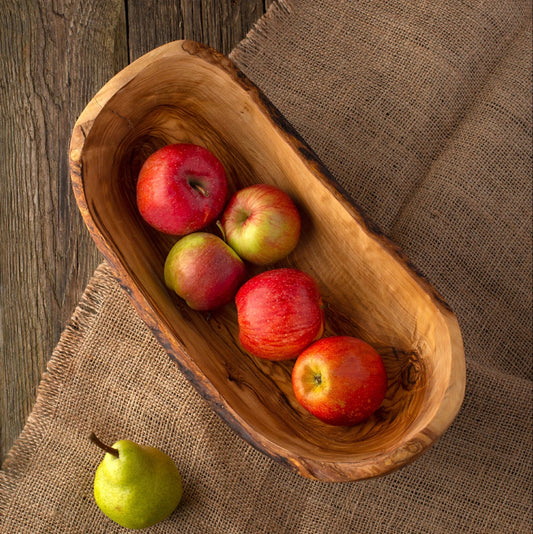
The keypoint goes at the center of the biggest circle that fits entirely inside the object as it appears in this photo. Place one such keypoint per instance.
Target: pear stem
(103, 446)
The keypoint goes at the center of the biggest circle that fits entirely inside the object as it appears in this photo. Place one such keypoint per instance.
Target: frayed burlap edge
(278, 8)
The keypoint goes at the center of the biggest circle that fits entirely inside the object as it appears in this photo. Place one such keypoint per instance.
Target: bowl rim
(331, 471)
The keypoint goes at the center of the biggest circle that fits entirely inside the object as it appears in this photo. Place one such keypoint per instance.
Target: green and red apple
(204, 271)
(261, 223)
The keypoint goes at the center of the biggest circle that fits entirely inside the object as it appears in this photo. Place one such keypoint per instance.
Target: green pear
(135, 485)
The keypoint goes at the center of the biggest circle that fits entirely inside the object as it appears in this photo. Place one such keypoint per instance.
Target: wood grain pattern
(186, 92)
(54, 57)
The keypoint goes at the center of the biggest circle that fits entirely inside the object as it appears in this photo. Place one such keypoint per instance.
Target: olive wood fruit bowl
(186, 92)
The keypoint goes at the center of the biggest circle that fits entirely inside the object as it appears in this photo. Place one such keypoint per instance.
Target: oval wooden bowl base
(185, 92)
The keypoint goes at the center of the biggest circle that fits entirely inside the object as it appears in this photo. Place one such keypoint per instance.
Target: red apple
(279, 313)
(181, 189)
(261, 223)
(204, 271)
(340, 379)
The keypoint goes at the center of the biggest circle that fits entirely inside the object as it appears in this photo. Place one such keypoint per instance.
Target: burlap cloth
(422, 111)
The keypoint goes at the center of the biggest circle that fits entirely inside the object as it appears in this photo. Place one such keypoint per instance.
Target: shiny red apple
(279, 313)
(204, 271)
(340, 379)
(261, 223)
(181, 188)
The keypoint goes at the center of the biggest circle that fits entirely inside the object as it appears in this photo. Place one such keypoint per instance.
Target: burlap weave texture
(422, 112)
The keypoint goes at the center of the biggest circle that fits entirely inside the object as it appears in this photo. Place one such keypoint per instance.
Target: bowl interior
(368, 290)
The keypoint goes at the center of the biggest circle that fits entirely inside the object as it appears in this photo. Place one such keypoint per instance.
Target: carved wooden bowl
(185, 92)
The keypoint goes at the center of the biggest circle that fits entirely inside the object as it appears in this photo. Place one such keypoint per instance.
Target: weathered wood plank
(54, 55)
(220, 24)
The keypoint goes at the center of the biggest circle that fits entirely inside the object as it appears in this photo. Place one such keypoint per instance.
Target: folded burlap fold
(422, 112)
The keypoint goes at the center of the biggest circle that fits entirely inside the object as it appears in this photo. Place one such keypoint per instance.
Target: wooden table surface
(54, 55)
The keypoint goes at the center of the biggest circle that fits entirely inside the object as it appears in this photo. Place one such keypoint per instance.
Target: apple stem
(318, 379)
(221, 228)
(200, 189)
(103, 446)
